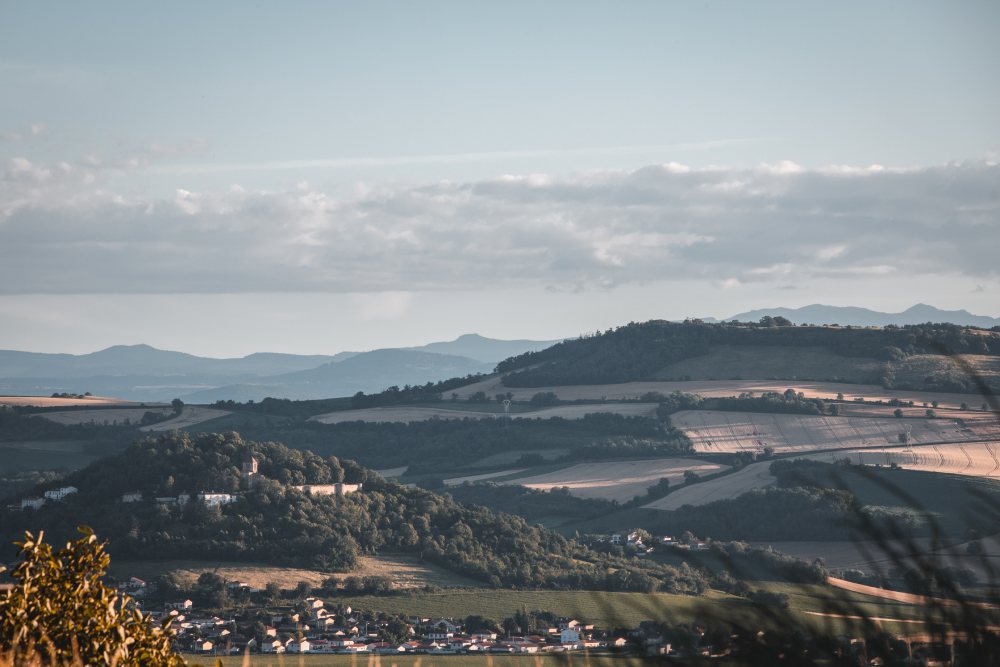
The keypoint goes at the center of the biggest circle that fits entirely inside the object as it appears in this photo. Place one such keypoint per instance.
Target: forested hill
(275, 523)
(642, 351)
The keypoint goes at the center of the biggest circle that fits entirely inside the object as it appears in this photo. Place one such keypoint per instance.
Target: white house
(569, 636)
(301, 646)
(61, 492)
(273, 646)
(32, 503)
(338, 489)
(213, 499)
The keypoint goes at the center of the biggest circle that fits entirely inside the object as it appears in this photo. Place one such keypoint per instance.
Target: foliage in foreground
(59, 611)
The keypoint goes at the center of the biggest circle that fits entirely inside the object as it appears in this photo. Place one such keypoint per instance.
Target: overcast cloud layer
(64, 231)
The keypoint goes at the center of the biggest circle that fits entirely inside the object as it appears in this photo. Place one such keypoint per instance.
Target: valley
(615, 501)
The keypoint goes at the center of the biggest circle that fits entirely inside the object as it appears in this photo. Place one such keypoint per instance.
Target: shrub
(59, 611)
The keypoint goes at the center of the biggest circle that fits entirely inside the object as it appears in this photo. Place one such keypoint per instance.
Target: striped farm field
(717, 431)
(50, 402)
(720, 388)
(753, 476)
(404, 414)
(192, 415)
(455, 481)
(977, 459)
(617, 480)
(102, 416)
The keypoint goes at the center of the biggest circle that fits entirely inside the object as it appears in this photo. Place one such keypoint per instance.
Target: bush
(60, 608)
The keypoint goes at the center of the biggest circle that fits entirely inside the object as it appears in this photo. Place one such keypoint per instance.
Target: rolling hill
(863, 317)
(930, 357)
(144, 373)
(145, 502)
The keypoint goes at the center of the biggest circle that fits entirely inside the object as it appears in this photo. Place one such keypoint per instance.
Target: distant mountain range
(144, 373)
(820, 314)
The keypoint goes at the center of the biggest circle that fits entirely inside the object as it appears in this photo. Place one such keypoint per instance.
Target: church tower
(250, 471)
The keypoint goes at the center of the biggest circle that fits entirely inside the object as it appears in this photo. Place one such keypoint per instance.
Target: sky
(230, 177)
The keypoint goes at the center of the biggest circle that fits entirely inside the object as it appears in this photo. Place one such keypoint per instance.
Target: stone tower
(250, 471)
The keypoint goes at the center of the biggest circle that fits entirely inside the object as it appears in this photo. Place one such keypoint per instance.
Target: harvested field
(513, 455)
(396, 414)
(405, 571)
(48, 402)
(455, 481)
(412, 413)
(979, 459)
(918, 411)
(717, 388)
(189, 416)
(717, 431)
(104, 416)
(753, 476)
(972, 459)
(617, 480)
(869, 556)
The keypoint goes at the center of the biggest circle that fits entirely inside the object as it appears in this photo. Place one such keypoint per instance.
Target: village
(308, 625)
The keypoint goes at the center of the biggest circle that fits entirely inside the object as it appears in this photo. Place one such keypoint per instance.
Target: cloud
(64, 230)
(32, 130)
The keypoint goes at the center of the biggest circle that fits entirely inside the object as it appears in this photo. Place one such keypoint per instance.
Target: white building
(338, 489)
(132, 497)
(569, 636)
(302, 646)
(61, 492)
(212, 499)
(32, 503)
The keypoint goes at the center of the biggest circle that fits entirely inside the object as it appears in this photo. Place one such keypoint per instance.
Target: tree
(930, 413)
(898, 412)
(544, 398)
(60, 604)
(178, 405)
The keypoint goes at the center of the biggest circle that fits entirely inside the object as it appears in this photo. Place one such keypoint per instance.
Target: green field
(602, 608)
(627, 610)
(23, 455)
(764, 362)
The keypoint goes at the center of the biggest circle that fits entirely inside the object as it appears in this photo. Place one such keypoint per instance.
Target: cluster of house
(317, 629)
(207, 498)
(635, 540)
(50, 495)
